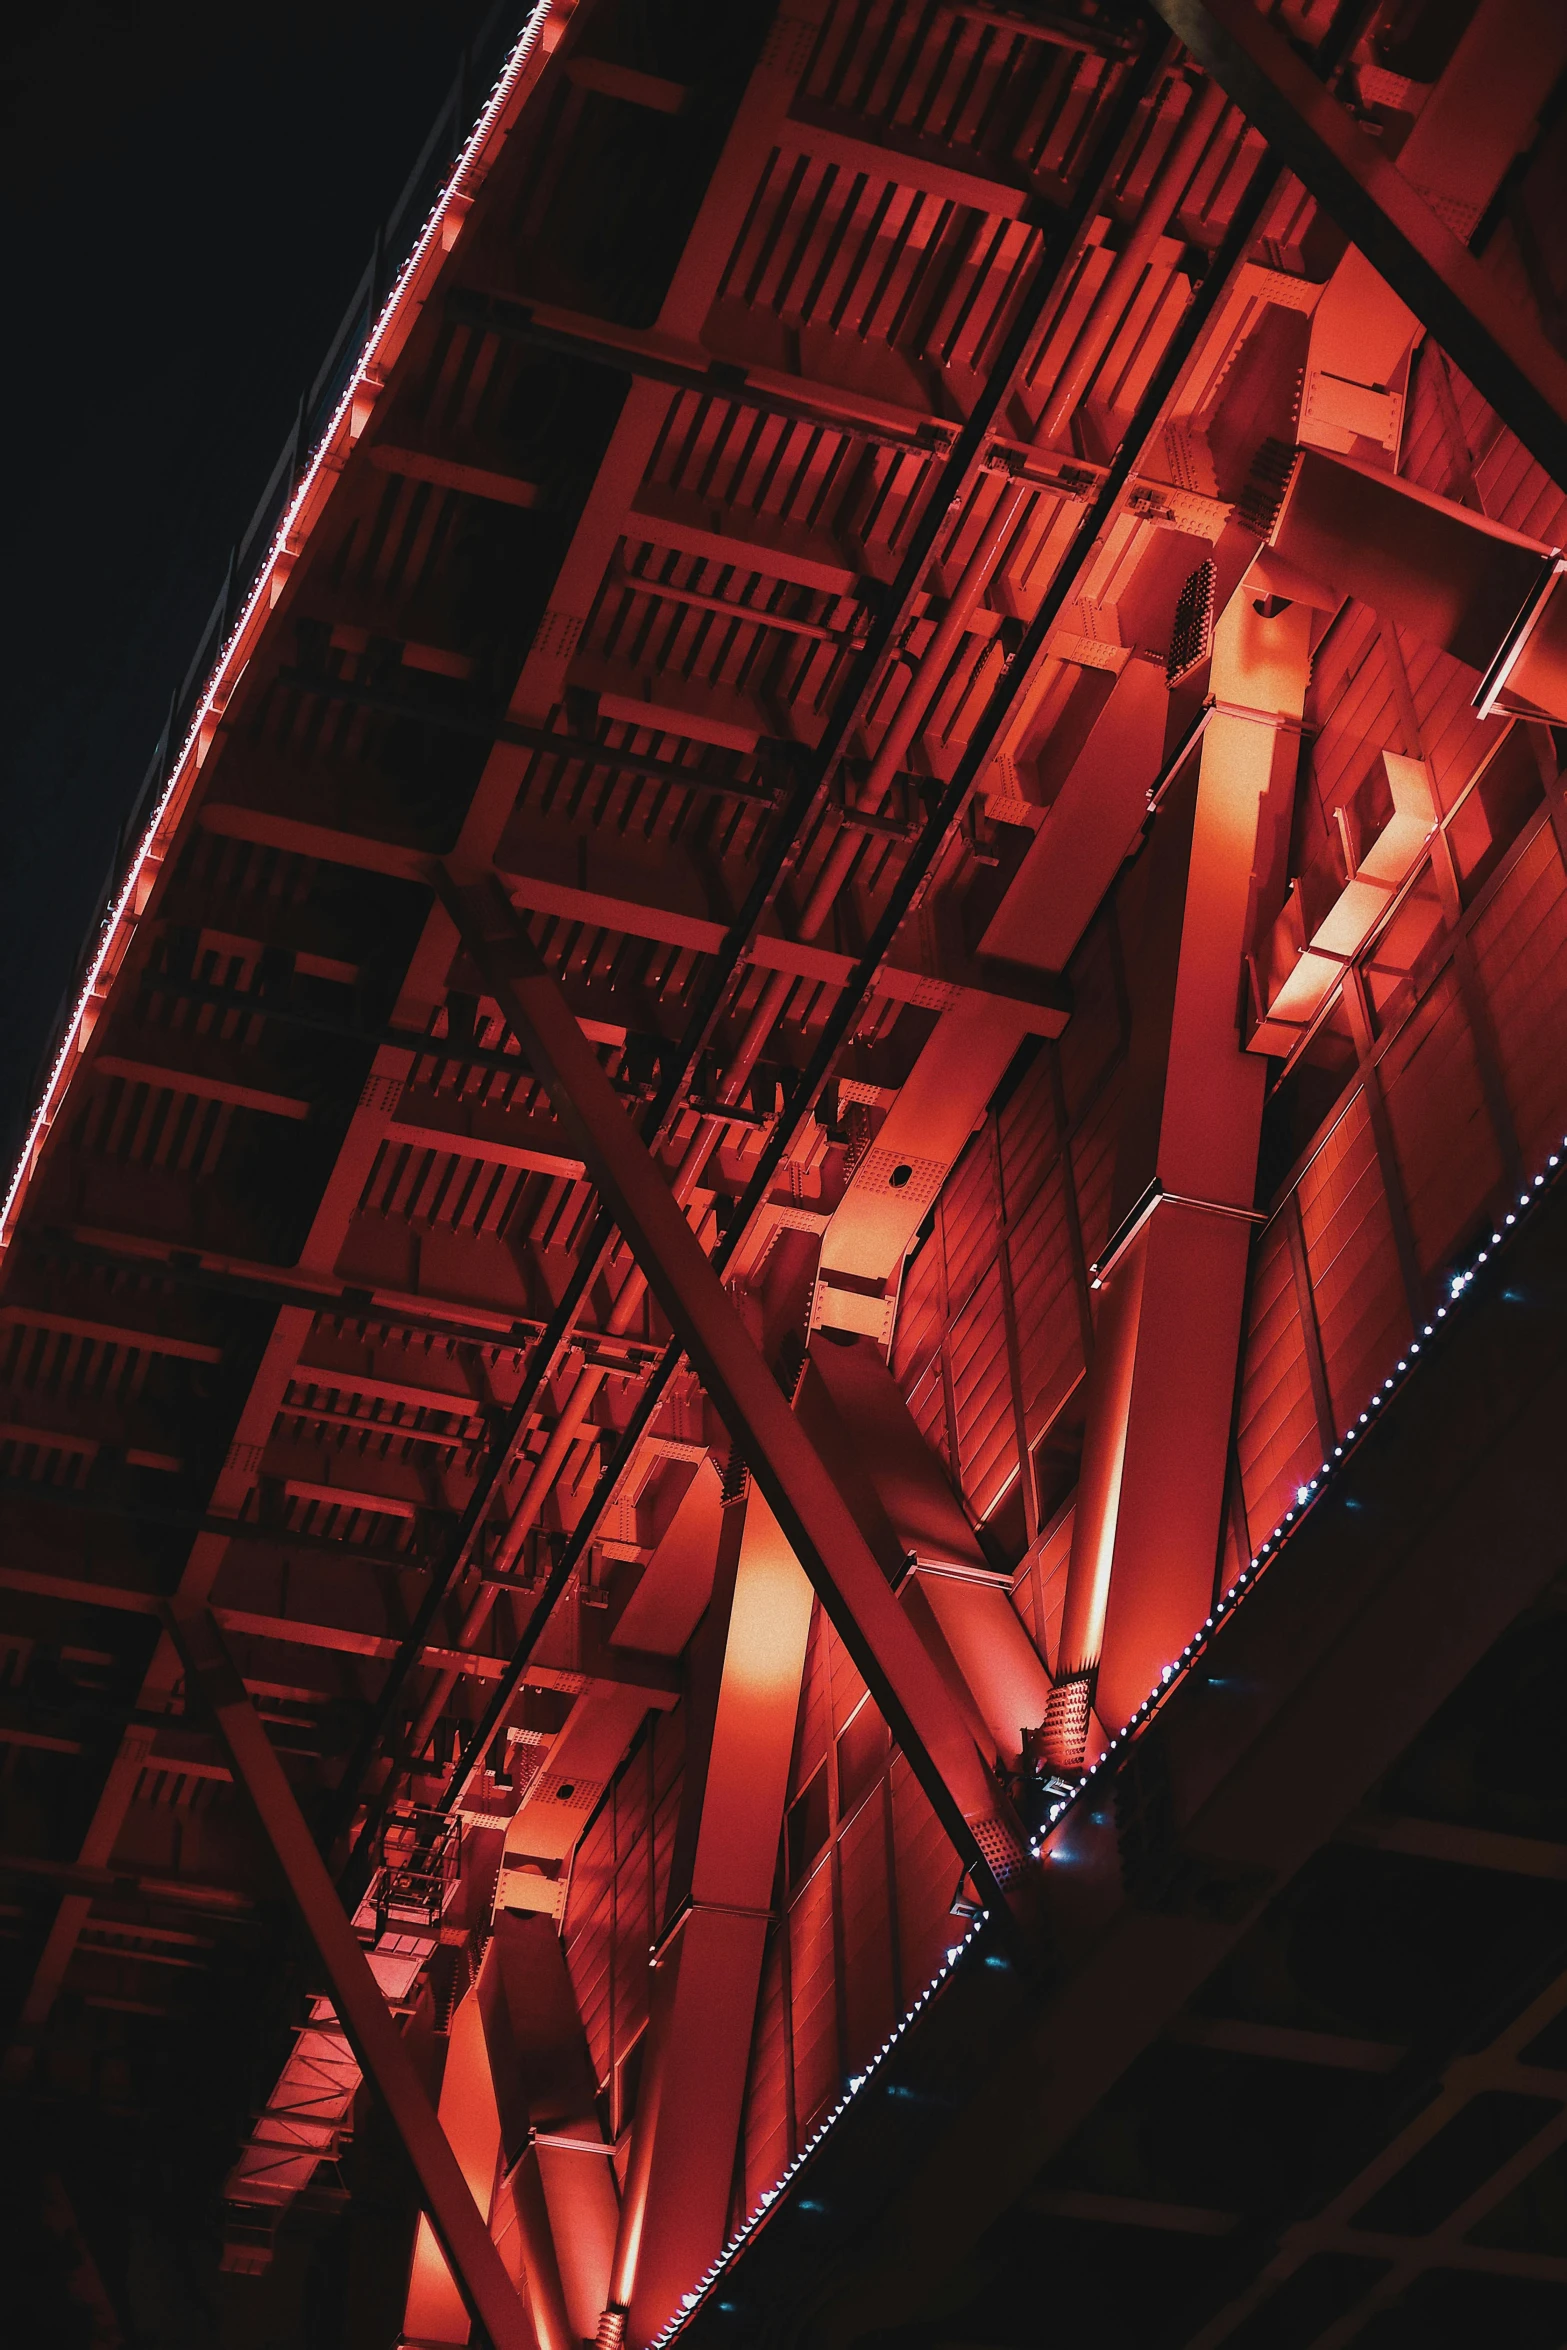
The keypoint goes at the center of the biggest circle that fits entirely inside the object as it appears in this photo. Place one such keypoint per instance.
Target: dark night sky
(190, 195)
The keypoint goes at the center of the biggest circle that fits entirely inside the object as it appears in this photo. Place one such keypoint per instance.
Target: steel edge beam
(475, 2264)
(825, 1538)
(1014, 681)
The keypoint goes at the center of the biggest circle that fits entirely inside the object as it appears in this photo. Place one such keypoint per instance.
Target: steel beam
(801, 1494)
(1498, 347)
(468, 2117)
(475, 2265)
(902, 1497)
(1162, 1387)
(539, 328)
(501, 488)
(1209, 1813)
(657, 915)
(130, 1884)
(746, 1681)
(430, 1313)
(560, 2181)
(609, 1666)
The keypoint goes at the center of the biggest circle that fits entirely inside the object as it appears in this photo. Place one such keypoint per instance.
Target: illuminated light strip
(1306, 1498)
(692, 2301)
(1311, 1492)
(118, 926)
(441, 228)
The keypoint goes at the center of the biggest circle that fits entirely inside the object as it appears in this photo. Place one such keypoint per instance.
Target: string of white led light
(1307, 1497)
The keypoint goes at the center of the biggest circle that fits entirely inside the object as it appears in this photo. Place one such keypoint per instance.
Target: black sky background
(190, 193)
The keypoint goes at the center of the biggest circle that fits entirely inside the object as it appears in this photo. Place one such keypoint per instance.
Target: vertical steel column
(1161, 1391)
(213, 1679)
(558, 2197)
(434, 2311)
(709, 1966)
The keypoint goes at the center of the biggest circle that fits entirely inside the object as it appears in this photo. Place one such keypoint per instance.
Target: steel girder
(1305, 1696)
(1498, 347)
(800, 1492)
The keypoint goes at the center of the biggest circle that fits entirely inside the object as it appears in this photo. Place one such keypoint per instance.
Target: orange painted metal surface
(669, 603)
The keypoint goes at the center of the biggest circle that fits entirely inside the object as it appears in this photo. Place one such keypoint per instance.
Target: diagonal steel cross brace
(1499, 348)
(826, 1539)
(212, 1680)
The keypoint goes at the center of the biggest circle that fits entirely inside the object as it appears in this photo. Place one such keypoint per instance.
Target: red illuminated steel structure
(801, 1495)
(1166, 1342)
(700, 1118)
(446, 2182)
(708, 1964)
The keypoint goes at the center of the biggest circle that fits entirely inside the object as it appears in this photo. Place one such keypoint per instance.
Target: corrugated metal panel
(1029, 1597)
(1049, 1329)
(813, 1999)
(1361, 1310)
(590, 1937)
(952, 1355)
(610, 1916)
(1354, 708)
(635, 1924)
(1447, 1152)
(1351, 704)
(1515, 489)
(1520, 944)
(1093, 1162)
(765, 2139)
(848, 1688)
(920, 1318)
(927, 1400)
(1026, 1132)
(1277, 1437)
(1427, 455)
(1038, 1255)
(866, 1959)
(956, 1295)
(927, 1877)
(1235, 1538)
(982, 1396)
(917, 1355)
(1451, 736)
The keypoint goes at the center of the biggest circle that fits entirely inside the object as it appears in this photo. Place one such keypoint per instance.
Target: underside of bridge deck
(785, 1320)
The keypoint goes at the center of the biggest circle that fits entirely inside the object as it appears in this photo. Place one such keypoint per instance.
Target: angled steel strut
(803, 1497)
